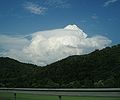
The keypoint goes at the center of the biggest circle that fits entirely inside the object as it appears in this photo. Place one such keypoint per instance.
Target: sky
(34, 30)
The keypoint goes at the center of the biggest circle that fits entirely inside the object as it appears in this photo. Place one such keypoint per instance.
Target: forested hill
(100, 68)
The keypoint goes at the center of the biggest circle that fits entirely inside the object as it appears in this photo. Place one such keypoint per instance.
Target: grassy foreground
(10, 96)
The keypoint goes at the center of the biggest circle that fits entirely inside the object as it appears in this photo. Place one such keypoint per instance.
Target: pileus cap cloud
(72, 27)
(46, 47)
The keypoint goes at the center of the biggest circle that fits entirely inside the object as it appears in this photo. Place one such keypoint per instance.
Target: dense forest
(100, 68)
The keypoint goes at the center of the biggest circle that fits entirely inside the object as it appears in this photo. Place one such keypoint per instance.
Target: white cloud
(34, 8)
(16, 42)
(46, 47)
(107, 3)
(13, 47)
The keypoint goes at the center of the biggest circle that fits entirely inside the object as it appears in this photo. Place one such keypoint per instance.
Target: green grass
(10, 96)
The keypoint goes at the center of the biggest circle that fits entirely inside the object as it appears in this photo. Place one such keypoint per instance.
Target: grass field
(10, 96)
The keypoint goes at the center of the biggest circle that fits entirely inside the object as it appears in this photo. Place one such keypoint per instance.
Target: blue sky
(33, 30)
(93, 16)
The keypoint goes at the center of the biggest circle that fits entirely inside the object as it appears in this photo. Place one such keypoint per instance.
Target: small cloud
(107, 3)
(34, 8)
(83, 21)
(58, 3)
(94, 16)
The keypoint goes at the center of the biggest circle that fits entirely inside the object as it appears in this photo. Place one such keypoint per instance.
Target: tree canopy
(100, 68)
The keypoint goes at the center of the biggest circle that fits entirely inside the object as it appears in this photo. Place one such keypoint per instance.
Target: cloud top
(46, 47)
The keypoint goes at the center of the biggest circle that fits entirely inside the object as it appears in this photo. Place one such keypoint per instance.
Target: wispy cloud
(83, 21)
(58, 3)
(34, 8)
(94, 17)
(107, 3)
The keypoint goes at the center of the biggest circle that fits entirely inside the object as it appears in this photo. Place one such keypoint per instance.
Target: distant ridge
(100, 68)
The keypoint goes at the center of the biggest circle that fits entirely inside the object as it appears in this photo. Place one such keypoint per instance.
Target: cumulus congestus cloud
(46, 47)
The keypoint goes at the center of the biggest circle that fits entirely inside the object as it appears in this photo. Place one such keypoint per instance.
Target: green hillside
(100, 68)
